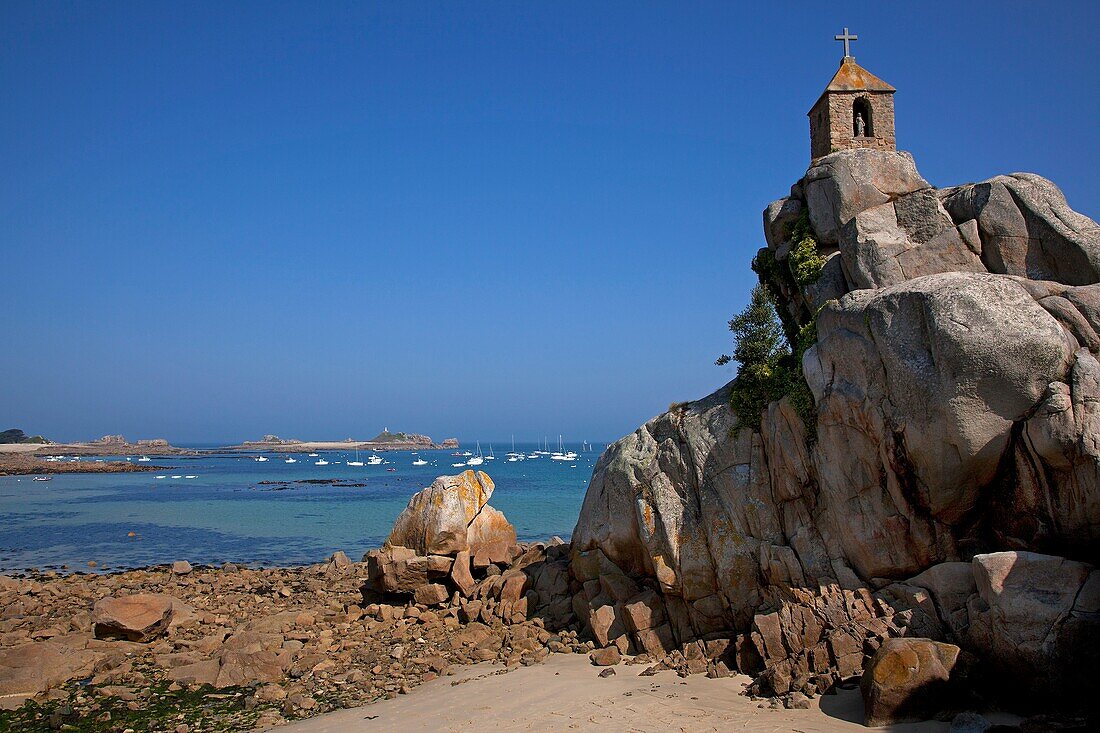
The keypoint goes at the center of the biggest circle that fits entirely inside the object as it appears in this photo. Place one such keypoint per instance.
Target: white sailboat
(356, 462)
(478, 459)
(561, 454)
(491, 456)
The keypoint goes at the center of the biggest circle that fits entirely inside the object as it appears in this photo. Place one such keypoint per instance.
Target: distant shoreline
(162, 448)
(330, 445)
(21, 464)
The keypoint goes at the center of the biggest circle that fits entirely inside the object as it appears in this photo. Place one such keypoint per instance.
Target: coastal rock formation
(450, 545)
(453, 515)
(952, 436)
(279, 643)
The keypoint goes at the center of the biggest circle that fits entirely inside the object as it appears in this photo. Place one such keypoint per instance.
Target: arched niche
(861, 108)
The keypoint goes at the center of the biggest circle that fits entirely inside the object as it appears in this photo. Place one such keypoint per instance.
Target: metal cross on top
(846, 37)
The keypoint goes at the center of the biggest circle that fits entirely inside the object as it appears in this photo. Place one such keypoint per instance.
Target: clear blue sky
(467, 219)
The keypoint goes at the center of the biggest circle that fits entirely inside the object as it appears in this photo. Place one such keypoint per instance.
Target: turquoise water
(225, 513)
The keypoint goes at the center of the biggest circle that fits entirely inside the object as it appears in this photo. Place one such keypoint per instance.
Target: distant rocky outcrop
(15, 435)
(945, 483)
(269, 438)
(401, 438)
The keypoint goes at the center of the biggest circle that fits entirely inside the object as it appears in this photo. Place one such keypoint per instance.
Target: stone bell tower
(856, 110)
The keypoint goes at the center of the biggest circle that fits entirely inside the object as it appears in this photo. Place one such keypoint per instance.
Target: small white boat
(375, 461)
(312, 455)
(291, 460)
(159, 477)
(127, 458)
(177, 477)
(190, 476)
(458, 465)
(42, 478)
(356, 462)
(260, 459)
(321, 462)
(143, 459)
(420, 462)
(478, 459)
(490, 457)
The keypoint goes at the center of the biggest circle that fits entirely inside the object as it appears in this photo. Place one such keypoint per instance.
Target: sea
(259, 513)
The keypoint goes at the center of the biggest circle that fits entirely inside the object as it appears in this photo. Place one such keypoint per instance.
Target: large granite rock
(909, 680)
(452, 515)
(1038, 616)
(1027, 228)
(955, 415)
(446, 535)
(139, 617)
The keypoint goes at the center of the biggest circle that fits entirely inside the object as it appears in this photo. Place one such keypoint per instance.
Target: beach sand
(22, 447)
(566, 694)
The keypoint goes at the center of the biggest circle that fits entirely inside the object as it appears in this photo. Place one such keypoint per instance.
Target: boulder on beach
(452, 515)
(141, 617)
(447, 532)
(909, 680)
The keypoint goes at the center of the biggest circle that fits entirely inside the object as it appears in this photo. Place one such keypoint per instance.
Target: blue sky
(467, 219)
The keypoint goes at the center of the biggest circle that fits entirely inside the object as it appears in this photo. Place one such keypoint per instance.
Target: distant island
(23, 455)
(383, 441)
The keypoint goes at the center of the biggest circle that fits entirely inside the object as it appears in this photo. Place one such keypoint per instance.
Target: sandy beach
(567, 694)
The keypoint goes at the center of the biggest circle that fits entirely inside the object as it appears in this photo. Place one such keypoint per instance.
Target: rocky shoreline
(230, 648)
(21, 464)
(181, 648)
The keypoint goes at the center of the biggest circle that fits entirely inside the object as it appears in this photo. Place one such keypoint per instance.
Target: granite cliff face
(948, 484)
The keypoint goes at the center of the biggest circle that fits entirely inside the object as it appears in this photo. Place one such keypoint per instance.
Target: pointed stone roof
(851, 77)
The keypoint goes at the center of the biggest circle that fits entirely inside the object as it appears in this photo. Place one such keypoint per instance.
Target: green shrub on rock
(804, 261)
(769, 368)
